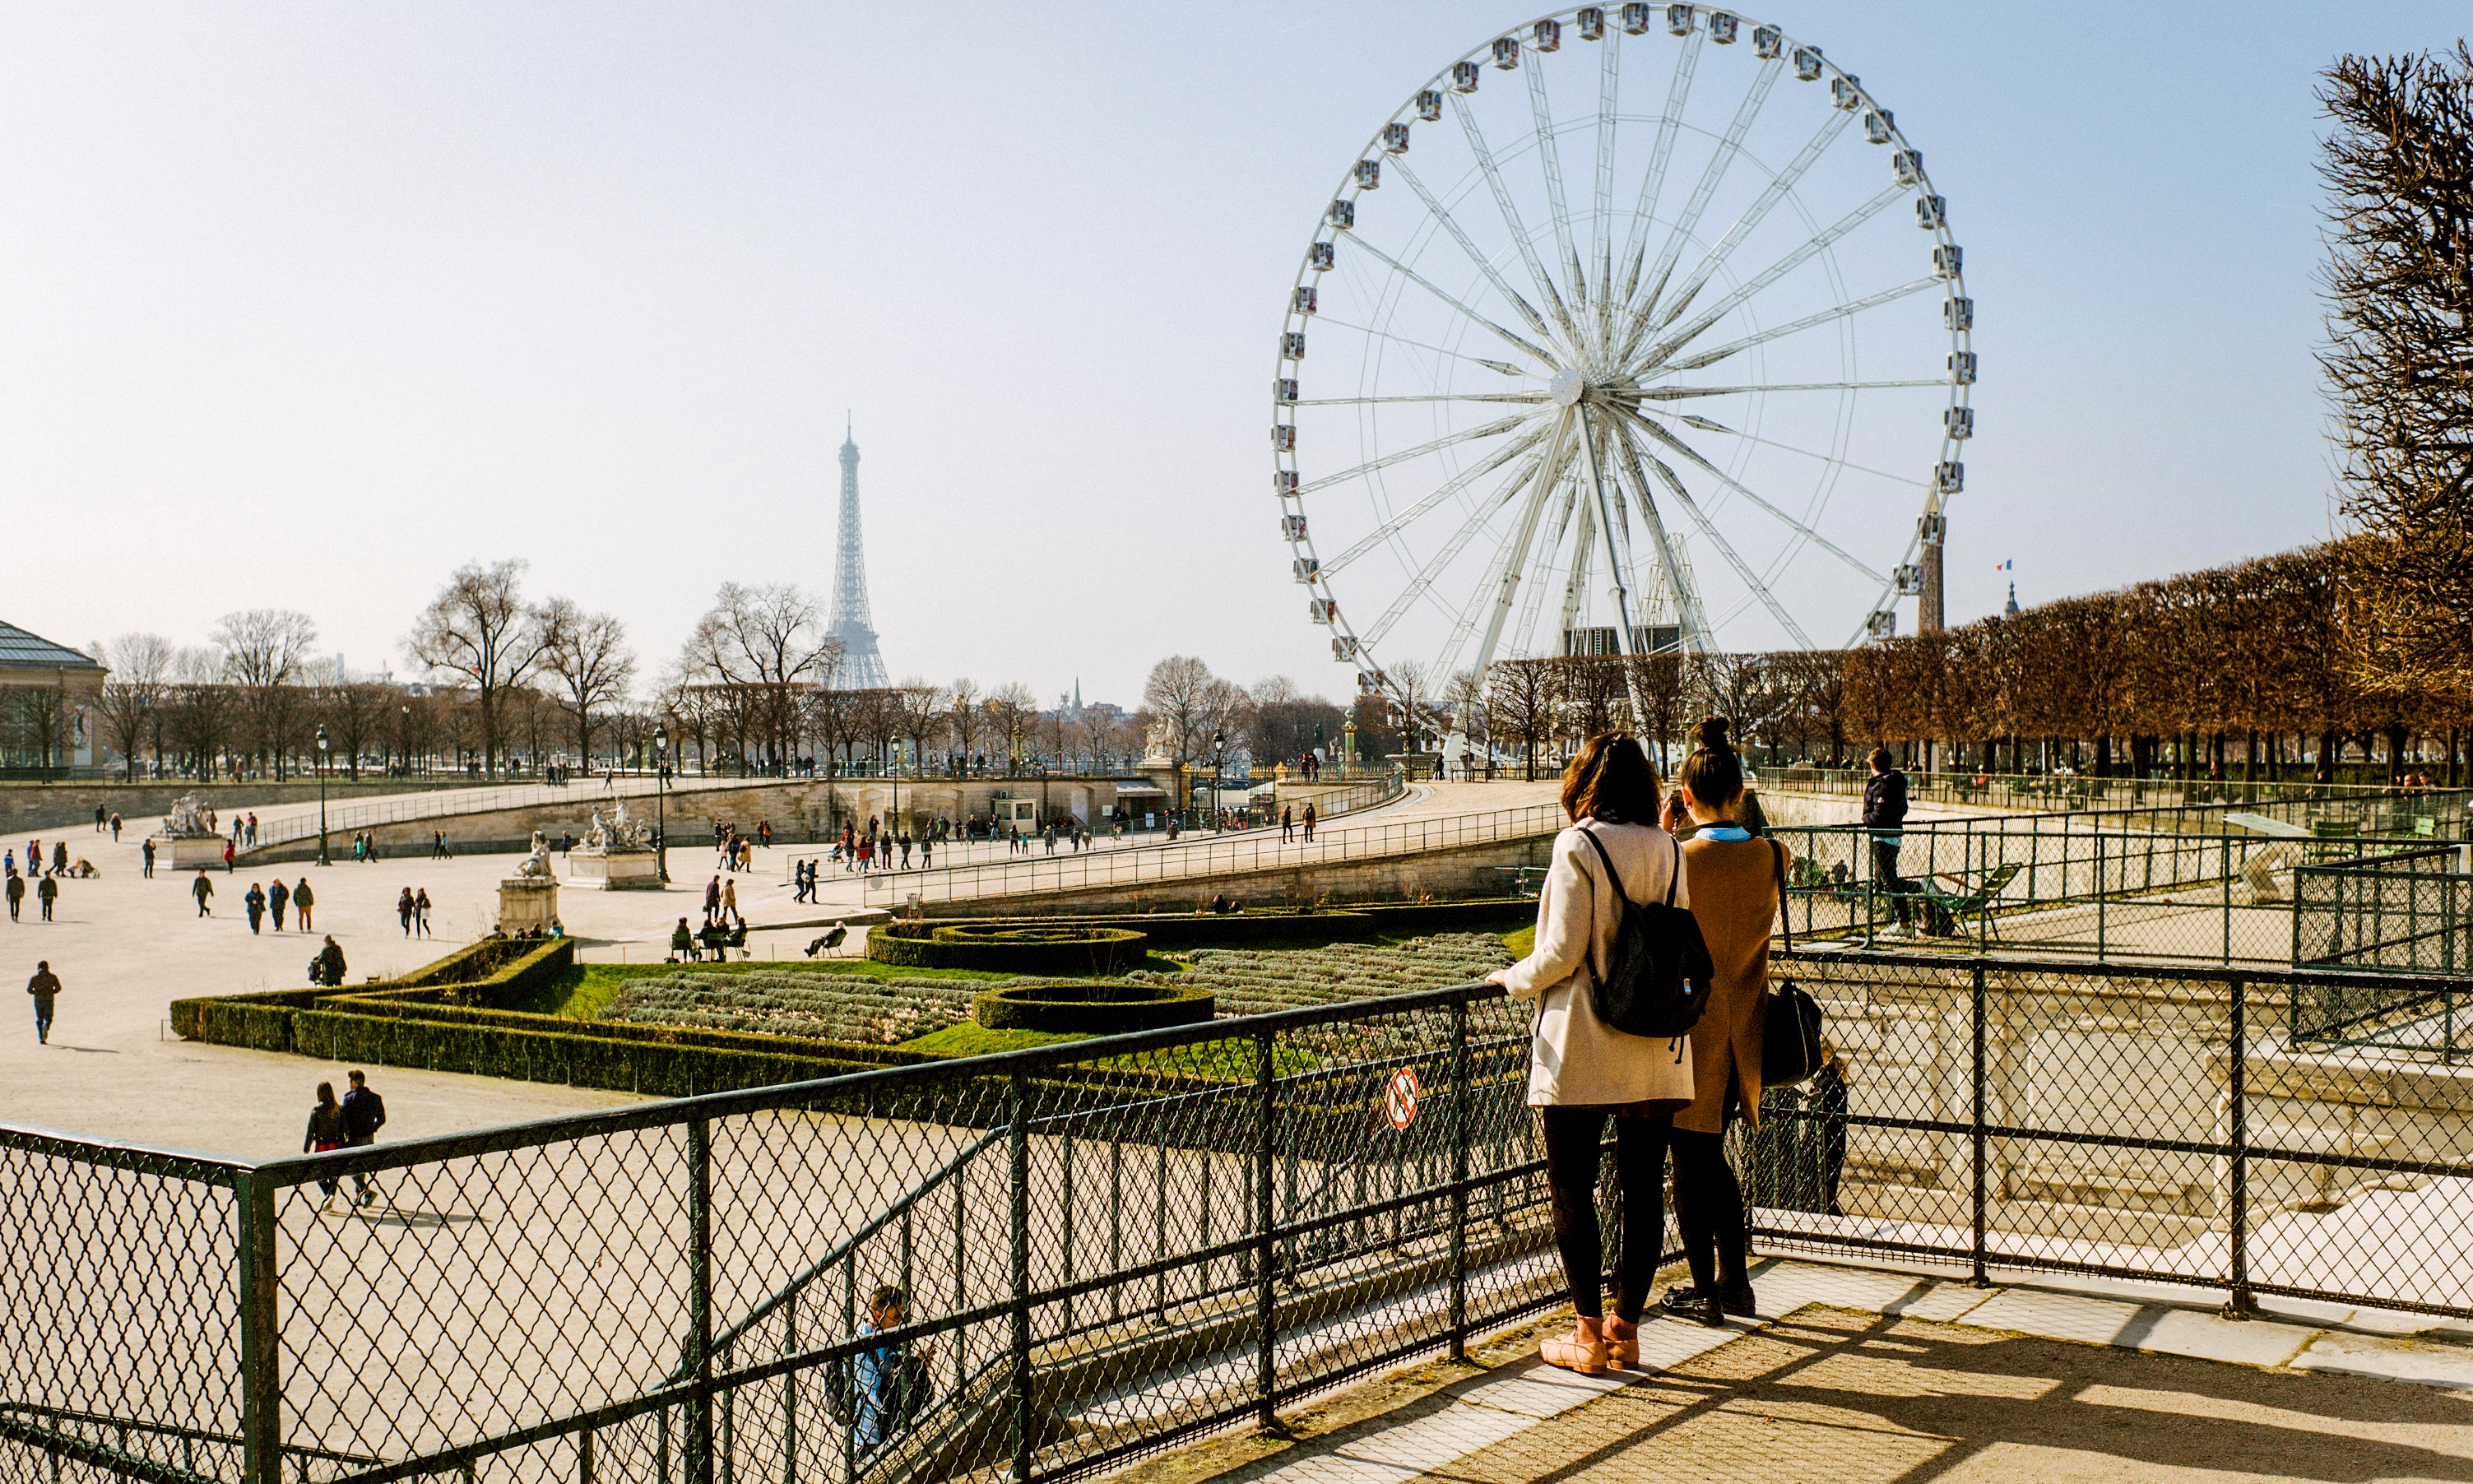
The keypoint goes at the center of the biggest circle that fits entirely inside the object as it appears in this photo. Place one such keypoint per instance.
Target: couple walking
(1661, 1096)
(353, 1123)
(412, 909)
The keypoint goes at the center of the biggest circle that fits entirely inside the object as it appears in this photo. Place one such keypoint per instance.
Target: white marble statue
(537, 864)
(191, 818)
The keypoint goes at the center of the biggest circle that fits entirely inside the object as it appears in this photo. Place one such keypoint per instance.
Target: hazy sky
(305, 305)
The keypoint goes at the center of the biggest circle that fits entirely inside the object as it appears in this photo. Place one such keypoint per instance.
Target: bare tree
(479, 630)
(921, 711)
(2398, 169)
(354, 713)
(1011, 710)
(1192, 704)
(592, 664)
(132, 703)
(962, 714)
(264, 651)
(1520, 701)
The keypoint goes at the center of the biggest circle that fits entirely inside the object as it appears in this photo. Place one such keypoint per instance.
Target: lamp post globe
(661, 802)
(321, 798)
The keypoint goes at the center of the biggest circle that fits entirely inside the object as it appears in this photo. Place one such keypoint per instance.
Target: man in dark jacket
(1885, 815)
(46, 986)
(363, 1115)
(327, 968)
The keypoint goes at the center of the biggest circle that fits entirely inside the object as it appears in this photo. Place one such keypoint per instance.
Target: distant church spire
(861, 667)
(2011, 610)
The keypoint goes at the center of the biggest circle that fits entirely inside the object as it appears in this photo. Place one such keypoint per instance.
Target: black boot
(1685, 1302)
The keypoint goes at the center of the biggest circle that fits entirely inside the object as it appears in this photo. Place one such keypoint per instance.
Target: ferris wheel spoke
(1498, 426)
(1511, 219)
(1677, 93)
(1366, 329)
(1541, 568)
(1711, 174)
(1708, 529)
(1677, 394)
(1686, 451)
(1550, 472)
(1576, 586)
(1474, 318)
(1780, 184)
(1418, 585)
(1602, 205)
(1485, 264)
(1689, 615)
(1550, 158)
(1810, 453)
(1486, 396)
(1761, 283)
(1706, 358)
(1392, 527)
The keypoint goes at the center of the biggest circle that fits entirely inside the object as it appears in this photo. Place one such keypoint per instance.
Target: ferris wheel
(1636, 329)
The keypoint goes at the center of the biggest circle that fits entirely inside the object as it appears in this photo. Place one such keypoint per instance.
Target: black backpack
(1661, 975)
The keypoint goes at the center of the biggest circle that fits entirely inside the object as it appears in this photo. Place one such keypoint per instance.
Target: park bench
(1526, 880)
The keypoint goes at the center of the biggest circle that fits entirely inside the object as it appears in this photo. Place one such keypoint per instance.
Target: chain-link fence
(2412, 910)
(1068, 1257)
(2058, 884)
(1040, 1264)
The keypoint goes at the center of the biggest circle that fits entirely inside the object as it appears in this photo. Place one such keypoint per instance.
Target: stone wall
(37, 807)
(801, 811)
(1460, 871)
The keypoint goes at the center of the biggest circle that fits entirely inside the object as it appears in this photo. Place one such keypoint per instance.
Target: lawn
(584, 991)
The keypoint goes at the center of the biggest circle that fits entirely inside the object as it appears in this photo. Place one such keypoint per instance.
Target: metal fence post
(1982, 1077)
(1018, 1121)
(1265, 1301)
(700, 1298)
(261, 1381)
(2241, 1304)
(1460, 1101)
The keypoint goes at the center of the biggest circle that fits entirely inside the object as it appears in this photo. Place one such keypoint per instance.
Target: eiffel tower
(861, 667)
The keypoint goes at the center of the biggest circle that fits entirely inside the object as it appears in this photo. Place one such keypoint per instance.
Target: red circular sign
(1400, 1098)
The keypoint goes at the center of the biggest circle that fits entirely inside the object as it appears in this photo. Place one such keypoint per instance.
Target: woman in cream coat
(1582, 1070)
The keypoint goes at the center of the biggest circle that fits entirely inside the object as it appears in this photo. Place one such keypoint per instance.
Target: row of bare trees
(2236, 668)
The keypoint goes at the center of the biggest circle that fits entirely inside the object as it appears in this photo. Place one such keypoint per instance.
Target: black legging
(1709, 1211)
(1573, 1140)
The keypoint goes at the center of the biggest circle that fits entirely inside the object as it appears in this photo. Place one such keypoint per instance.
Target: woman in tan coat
(1582, 1070)
(1733, 879)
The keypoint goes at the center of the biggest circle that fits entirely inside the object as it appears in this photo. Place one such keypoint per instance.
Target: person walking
(147, 848)
(252, 827)
(403, 911)
(889, 1381)
(202, 889)
(1288, 824)
(45, 988)
(16, 891)
(304, 900)
(327, 968)
(47, 891)
(927, 850)
(1884, 817)
(1581, 1069)
(229, 854)
(712, 897)
(421, 913)
(729, 901)
(59, 857)
(99, 813)
(1730, 877)
(326, 1131)
(255, 904)
(115, 829)
(1309, 822)
(363, 1115)
(278, 897)
(764, 833)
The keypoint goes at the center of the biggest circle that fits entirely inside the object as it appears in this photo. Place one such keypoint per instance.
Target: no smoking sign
(1400, 1098)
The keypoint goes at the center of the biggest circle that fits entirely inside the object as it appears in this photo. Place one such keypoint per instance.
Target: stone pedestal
(615, 870)
(187, 853)
(526, 903)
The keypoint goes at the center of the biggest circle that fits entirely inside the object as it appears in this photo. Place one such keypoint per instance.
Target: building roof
(23, 651)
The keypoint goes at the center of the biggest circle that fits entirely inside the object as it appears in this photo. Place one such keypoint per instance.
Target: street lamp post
(321, 798)
(1218, 770)
(660, 800)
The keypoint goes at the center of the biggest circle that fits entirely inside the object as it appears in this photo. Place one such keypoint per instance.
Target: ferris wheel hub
(1566, 386)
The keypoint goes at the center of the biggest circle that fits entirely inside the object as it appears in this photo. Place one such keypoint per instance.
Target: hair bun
(1711, 734)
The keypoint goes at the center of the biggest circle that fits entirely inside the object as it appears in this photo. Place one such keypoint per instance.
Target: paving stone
(1789, 1286)
(1540, 1390)
(2398, 1359)
(2205, 1337)
(2056, 1316)
(1946, 1302)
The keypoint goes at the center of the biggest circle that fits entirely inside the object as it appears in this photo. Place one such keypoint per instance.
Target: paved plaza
(125, 948)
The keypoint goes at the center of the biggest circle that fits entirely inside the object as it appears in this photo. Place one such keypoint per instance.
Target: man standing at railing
(1885, 815)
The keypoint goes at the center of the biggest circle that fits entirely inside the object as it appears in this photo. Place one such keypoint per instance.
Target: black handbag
(1790, 1030)
(1661, 975)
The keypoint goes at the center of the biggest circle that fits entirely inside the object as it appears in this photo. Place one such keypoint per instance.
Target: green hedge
(1092, 1008)
(1007, 946)
(488, 1050)
(1268, 924)
(418, 1007)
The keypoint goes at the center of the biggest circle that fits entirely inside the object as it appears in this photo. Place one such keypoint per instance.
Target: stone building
(48, 694)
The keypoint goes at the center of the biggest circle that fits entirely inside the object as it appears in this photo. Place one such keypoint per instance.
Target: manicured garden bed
(1007, 948)
(1092, 1007)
